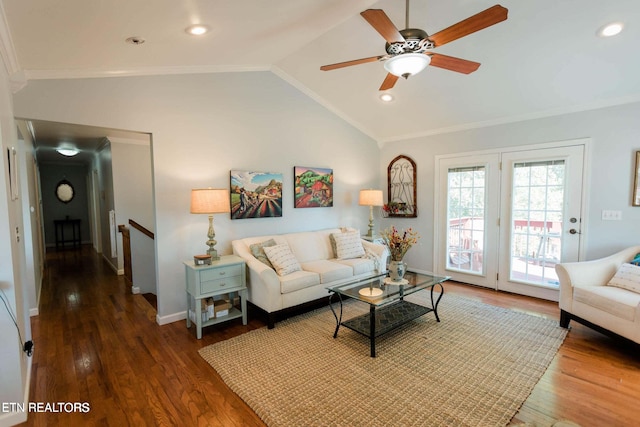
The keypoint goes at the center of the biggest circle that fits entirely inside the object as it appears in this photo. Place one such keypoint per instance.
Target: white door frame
(440, 200)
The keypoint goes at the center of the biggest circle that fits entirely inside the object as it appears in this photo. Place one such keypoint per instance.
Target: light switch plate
(608, 215)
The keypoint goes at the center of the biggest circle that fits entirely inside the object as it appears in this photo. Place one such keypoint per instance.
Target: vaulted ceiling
(545, 59)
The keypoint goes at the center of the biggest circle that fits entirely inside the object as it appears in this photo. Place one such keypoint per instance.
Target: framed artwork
(255, 194)
(401, 188)
(313, 187)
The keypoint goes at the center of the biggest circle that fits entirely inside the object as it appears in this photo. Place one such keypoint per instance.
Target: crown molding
(89, 73)
(7, 50)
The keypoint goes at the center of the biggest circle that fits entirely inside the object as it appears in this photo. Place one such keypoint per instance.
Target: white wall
(32, 235)
(203, 126)
(106, 203)
(143, 262)
(14, 365)
(132, 186)
(614, 139)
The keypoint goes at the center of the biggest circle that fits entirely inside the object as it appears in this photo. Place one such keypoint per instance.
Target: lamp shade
(210, 200)
(407, 64)
(370, 198)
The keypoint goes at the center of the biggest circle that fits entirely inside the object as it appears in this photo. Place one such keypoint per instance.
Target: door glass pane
(465, 216)
(538, 198)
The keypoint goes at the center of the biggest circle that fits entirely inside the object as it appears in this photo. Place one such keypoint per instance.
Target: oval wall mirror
(65, 191)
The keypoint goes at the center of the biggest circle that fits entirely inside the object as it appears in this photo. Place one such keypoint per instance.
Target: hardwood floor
(95, 342)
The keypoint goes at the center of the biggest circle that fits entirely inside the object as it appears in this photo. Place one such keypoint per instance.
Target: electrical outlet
(608, 215)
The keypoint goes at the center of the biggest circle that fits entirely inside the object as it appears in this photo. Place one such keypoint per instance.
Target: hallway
(95, 342)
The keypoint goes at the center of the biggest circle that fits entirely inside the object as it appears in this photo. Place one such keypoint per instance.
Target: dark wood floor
(95, 342)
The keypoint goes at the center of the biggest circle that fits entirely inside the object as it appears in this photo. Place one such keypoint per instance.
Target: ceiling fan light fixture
(407, 64)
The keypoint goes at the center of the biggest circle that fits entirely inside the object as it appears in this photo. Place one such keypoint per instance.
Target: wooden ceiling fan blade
(350, 63)
(477, 22)
(389, 81)
(382, 24)
(453, 64)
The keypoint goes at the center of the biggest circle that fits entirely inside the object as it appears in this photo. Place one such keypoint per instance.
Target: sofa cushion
(627, 277)
(298, 280)
(610, 299)
(348, 245)
(282, 259)
(308, 246)
(359, 265)
(329, 271)
(257, 249)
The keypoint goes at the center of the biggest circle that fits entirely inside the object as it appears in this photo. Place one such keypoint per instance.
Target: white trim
(135, 290)
(34, 312)
(175, 317)
(585, 142)
(7, 49)
(140, 71)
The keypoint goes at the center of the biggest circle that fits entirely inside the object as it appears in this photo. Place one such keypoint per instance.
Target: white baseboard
(175, 317)
(34, 312)
(135, 290)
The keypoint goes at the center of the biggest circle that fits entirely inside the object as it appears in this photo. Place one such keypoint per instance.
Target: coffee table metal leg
(338, 319)
(435, 305)
(372, 329)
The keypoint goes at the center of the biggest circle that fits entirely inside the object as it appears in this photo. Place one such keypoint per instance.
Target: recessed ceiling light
(197, 30)
(610, 29)
(386, 97)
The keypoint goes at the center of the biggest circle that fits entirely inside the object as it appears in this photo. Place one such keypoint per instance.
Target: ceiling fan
(409, 51)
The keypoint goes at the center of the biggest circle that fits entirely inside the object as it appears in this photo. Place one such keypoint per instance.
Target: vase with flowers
(398, 243)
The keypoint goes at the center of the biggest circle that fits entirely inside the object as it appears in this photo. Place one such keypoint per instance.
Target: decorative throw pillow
(283, 260)
(627, 277)
(257, 249)
(332, 239)
(348, 245)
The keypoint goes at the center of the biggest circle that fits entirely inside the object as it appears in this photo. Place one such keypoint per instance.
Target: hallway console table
(60, 226)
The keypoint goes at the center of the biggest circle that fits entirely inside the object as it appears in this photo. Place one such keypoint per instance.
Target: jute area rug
(474, 368)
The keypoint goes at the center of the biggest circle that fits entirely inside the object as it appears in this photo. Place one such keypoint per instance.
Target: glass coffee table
(388, 309)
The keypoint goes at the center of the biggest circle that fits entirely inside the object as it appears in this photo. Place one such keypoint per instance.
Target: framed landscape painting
(313, 187)
(255, 194)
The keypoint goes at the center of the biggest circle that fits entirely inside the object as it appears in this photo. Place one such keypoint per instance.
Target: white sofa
(313, 249)
(586, 298)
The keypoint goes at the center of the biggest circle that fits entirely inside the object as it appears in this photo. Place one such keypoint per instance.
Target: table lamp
(210, 201)
(370, 198)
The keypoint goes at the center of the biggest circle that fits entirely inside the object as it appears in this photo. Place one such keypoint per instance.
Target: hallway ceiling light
(197, 29)
(67, 151)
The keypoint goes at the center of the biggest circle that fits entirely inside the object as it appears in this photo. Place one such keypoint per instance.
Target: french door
(505, 219)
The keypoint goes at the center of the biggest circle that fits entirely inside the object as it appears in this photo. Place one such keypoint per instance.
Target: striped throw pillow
(282, 259)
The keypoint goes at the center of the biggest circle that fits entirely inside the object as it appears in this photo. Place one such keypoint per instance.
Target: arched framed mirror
(401, 186)
(65, 191)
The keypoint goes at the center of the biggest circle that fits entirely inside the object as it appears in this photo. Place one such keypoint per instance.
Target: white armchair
(585, 298)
